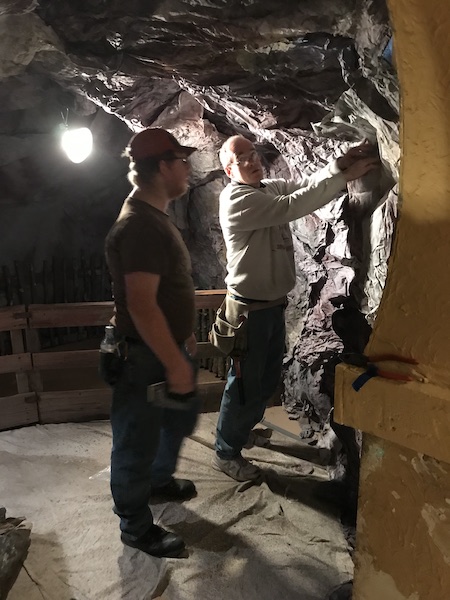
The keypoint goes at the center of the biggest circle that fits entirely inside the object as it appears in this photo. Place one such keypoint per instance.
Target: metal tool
(158, 395)
(388, 366)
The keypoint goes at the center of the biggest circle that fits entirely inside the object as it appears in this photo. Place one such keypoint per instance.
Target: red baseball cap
(156, 142)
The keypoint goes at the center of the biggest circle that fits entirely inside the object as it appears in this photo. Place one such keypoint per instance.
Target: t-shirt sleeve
(144, 251)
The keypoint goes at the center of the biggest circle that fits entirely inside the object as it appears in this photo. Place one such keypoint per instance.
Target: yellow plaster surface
(378, 585)
(414, 317)
(413, 414)
(403, 533)
(403, 541)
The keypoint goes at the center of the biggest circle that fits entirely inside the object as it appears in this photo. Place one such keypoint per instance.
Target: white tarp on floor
(245, 542)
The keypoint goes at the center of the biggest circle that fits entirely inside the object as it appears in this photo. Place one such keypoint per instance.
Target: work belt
(229, 331)
(251, 304)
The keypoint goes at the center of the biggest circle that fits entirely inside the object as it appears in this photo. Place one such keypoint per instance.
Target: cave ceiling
(301, 78)
(260, 64)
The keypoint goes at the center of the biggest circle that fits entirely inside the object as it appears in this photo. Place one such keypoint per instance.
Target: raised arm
(250, 208)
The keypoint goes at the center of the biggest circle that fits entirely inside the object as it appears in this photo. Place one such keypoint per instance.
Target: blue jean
(261, 373)
(146, 440)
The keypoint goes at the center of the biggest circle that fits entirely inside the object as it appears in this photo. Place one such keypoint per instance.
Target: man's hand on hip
(191, 345)
(180, 377)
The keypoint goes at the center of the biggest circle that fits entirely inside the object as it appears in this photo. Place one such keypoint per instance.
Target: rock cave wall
(302, 80)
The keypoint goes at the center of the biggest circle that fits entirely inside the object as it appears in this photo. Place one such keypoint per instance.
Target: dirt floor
(269, 541)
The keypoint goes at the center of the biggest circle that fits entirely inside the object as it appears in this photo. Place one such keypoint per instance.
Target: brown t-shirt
(144, 239)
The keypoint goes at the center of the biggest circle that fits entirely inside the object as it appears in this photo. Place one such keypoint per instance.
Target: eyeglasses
(183, 160)
(169, 158)
(245, 159)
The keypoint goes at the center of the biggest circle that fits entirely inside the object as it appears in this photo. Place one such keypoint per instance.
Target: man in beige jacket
(254, 215)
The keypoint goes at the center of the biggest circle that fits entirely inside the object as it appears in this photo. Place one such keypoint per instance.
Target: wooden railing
(27, 369)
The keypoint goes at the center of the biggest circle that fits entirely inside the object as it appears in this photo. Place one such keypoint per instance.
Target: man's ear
(228, 170)
(164, 167)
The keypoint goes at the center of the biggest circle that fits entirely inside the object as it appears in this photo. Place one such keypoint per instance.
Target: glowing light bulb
(77, 144)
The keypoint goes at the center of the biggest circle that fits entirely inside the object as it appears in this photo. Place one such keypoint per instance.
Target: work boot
(238, 468)
(156, 542)
(176, 489)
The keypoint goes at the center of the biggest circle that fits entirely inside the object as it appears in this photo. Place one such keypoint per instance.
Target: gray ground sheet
(272, 541)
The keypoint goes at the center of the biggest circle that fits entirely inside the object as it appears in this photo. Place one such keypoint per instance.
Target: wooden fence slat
(16, 363)
(78, 405)
(76, 359)
(33, 344)
(209, 298)
(32, 404)
(72, 359)
(210, 394)
(13, 317)
(207, 350)
(18, 410)
(97, 313)
(85, 405)
(70, 315)
(18, 347)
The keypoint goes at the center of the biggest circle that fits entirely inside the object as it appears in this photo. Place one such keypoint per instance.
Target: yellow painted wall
(403, 531)
(414, 318)
(403, 525)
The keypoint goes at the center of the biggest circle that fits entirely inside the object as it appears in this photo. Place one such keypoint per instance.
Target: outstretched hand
(360, 168)
(363, 150)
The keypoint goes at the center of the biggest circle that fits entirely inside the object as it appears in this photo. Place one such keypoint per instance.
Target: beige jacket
(255, 225)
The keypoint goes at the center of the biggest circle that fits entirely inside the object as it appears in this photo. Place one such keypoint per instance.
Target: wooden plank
(207, 350)
(277, 418)
(394, 411)
(13, 317)
(209, 298)
(18, 347)
(74, 405)
(70, 314)
(16, 363)
(33, 343)
(210, 393)
(18, 410)
(82, 405)
(73, 359)
(96, 313)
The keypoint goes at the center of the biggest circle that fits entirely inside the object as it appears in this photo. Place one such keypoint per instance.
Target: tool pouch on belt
(229, 331)
(111, 364)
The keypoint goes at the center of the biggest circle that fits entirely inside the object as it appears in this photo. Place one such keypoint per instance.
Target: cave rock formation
(304, 80)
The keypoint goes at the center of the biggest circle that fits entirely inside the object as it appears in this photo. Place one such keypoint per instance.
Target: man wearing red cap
(154, 319)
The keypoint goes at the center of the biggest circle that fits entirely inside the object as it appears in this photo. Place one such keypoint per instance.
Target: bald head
(231, 147)
(240, 161)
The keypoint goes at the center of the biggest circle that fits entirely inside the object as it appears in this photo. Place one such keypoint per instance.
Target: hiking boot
(176, 489)
(157, 542)
(238, 468)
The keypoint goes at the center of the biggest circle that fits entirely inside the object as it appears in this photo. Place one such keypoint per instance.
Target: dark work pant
(261, 373)
(146, 440)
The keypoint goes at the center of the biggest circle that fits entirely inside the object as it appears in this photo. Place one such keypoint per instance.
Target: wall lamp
(76, 141)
